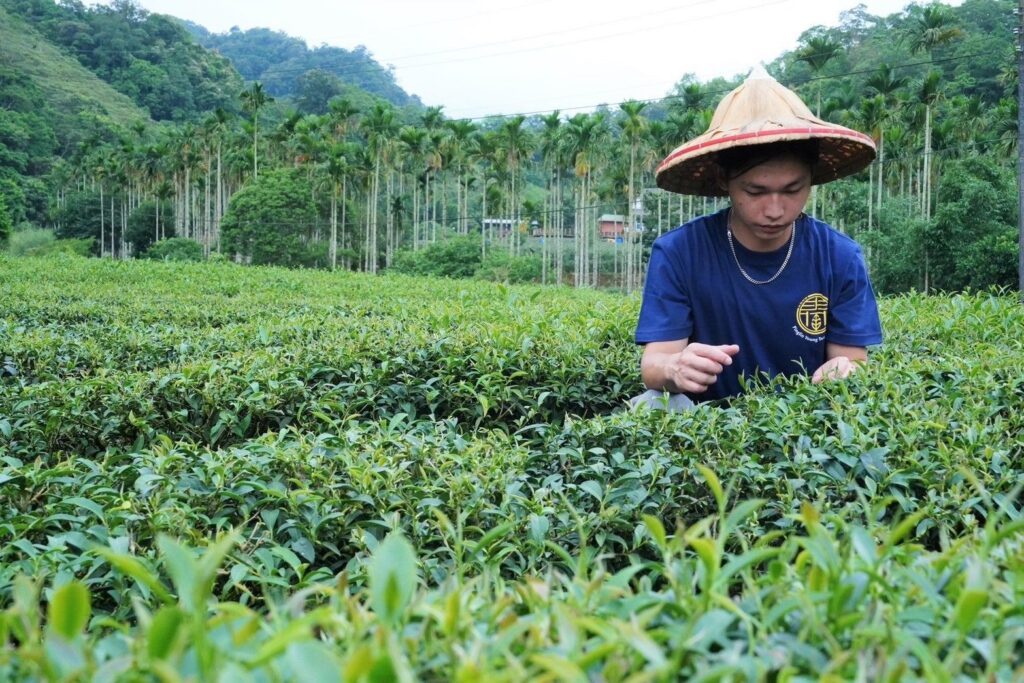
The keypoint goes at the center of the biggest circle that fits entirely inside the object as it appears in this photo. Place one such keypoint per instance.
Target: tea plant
(217, 473)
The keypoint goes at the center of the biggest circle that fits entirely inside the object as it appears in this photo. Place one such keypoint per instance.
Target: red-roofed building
(611, 226)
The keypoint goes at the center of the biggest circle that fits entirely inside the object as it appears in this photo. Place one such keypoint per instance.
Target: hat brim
(693, 167)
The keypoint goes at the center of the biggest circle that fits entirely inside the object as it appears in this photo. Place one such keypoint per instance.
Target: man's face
(766, 200)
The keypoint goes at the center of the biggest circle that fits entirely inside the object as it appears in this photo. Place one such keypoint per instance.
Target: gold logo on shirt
(812, 314)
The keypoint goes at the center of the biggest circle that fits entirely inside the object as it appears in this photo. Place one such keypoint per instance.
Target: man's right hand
(697, 366)
(691, 369)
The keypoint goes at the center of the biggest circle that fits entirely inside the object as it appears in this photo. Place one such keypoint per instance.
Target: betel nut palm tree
(253, 100)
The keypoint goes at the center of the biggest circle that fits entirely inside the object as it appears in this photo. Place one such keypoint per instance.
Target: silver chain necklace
(785, 261)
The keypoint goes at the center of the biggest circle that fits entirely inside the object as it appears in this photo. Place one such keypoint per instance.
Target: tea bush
(219, 473)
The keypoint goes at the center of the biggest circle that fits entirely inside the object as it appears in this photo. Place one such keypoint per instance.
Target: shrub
(5, 221)
(454, 257)
(42, 242)
(270, 220)
(141, 231)
(30, 241)
(500, 266)
(175, 249)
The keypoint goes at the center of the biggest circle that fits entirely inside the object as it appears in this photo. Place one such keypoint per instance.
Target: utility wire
(655, 100)
(721, 91)
(554, 33)
(356, 70)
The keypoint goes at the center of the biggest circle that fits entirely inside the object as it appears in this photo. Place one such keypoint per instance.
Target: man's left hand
(839, 367)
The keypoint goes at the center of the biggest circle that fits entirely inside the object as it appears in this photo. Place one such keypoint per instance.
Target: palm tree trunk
(102, 224)
(374, 214)
(188, 203)
(255, 138)
(389, 248)
(871, 203)
(113, 229)
(334, 226)
(881, 170)
(207, 208)
(484, 236)
(219, 209)
(344, 192)
(559, 227)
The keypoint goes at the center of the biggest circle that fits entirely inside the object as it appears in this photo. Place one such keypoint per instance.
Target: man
(760, 287)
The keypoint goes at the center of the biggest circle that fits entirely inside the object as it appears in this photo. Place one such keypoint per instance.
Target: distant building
(611, 225)
(498, 227)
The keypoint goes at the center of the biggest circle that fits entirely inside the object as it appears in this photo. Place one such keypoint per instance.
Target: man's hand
(839, 367)
(697, 367)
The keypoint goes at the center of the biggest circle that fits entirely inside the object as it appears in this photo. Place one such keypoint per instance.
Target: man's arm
(678, 366)
(841, 362)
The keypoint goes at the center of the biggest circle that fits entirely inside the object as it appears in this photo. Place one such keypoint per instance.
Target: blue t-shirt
(695, 291)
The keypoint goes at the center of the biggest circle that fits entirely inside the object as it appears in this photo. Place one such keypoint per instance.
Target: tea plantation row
(393, 478)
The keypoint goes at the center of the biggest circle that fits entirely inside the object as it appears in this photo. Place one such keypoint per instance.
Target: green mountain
(74, 77)
(49, 104)
(287, 67)
(68, 88)
(148, 57)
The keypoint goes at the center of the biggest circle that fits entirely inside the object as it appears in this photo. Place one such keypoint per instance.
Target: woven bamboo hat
(762, 111)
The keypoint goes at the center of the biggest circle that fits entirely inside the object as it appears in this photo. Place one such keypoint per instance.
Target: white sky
(487, 57)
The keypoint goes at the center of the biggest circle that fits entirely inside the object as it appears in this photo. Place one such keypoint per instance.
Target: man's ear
(723, 182)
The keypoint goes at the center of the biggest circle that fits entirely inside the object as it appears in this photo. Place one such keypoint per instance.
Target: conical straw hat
(758, 112)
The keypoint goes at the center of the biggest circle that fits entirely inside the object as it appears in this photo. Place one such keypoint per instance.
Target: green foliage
(268, 220)
(72, 247)
(141, 232)
(897, 248)
(79, 216)
(175, 249)
(457, 257)
(500, 266)
(434, 480)
(30, 241)
(316, 89)
(6, 224)
(392, 578)
(148, 57)
(57, 87)
(288, 67)
(974, 242)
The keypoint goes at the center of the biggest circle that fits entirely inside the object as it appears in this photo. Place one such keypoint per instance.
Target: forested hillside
(77, 80)
(287, 67)
(336, 178)
(49, 106)
(148, 57)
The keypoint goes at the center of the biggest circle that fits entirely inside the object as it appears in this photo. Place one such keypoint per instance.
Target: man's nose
(773, 207)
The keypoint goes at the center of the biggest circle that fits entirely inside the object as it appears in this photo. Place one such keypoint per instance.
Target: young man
(759, 287)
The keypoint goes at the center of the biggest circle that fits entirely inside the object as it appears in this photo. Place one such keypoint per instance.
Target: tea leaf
(392, 575)
(716, 486)
(69, 610)
(165, 631)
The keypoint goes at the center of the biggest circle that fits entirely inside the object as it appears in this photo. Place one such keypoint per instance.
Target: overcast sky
(486, 57)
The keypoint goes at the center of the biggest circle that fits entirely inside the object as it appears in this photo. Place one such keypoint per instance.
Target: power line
(352, 71)
(710, 93)
(721, 91)
(375, 69)
(553, 33)
(357, 70)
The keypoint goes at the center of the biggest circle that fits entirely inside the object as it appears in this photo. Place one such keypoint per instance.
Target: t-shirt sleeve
(853, 316)
(665, 313)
